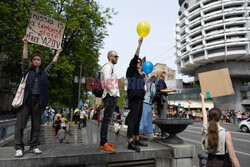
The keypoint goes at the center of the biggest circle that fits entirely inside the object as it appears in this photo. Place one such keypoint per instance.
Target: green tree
(83, 38)
(123, 96)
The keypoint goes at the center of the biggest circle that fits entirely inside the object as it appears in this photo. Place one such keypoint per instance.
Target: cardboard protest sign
(216, 83)
(45, 31)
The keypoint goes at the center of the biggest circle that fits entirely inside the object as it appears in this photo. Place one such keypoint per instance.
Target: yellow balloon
(143, 29)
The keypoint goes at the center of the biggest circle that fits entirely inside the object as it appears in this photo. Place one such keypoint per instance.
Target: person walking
(216, 140)
(61, 135)
(136, 92)
(35, 99)
(146, 125)
(57, 125)
(110, 95)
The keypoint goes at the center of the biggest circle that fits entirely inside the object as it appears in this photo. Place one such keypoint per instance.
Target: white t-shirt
(110, 81)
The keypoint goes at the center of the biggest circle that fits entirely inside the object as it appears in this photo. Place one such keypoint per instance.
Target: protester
(110, 94)
(65, 114)
(161, 93)
(82, 118)
(57, 125)
(76, 115)
(35, 99)
(64, 121)
(45, 115)
(136, 92)
(146, 125)
(51, 115)
(216, 141)
(61, 135)
(58, 115)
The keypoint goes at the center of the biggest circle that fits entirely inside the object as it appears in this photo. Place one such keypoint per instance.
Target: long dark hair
(214, 116)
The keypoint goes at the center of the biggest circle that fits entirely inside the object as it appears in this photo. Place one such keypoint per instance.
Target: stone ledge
(79, 154)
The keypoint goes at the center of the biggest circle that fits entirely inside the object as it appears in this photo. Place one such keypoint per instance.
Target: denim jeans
(60, 141)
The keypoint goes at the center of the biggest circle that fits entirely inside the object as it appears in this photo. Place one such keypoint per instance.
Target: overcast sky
(158, 46)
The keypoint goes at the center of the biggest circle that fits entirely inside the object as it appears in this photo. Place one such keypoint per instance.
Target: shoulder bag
(18, 99)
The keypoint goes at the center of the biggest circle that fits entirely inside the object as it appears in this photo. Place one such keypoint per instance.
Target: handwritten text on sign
(45, 31)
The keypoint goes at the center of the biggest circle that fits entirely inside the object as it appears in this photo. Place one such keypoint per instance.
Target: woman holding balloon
(136, 92)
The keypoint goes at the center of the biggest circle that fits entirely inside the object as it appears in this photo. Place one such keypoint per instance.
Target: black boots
(140, 143)
(135, 145)
(132, 146)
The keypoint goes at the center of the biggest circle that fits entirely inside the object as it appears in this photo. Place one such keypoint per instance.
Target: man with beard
(110, 94)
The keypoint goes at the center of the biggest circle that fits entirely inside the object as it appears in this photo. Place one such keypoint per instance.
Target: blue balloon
(147, 67)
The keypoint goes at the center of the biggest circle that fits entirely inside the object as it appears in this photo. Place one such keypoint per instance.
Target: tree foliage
(85, 30)
(123, 96)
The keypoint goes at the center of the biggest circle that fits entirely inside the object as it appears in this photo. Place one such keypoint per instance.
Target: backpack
(157, 99)
(97, 89)
(152, 93)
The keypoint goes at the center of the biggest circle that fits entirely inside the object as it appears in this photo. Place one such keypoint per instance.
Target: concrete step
(83, 155)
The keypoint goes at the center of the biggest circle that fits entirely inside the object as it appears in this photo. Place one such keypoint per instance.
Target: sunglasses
(116, 56)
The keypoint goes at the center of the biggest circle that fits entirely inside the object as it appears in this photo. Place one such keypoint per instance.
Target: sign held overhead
(45, 31)
(216, 83)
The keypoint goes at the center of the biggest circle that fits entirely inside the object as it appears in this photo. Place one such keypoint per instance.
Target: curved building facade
(214, 34)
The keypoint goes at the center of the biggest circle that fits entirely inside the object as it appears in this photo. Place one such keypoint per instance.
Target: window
(234, 26)
(233, 48)
(233, 16)
(213, 20)
(214, 30)
(198, 55)
(215, 40)
(213, 10)
(196, 35)
(212, 51)
(232, 6)
(186, 59)
(194, 27)
(209, 2)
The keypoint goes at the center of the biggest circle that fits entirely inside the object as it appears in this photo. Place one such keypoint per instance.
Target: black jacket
(136, 81)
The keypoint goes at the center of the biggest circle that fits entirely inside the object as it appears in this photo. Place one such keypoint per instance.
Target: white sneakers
(19, 153)
(36, 151)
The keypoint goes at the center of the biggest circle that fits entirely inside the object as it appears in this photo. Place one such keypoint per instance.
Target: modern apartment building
(214, 34)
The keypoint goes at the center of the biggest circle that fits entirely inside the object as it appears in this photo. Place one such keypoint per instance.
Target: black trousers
(134, 116)
(31, 107)
(109, 104)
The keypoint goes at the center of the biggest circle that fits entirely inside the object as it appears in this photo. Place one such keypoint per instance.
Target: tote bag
(18, 99)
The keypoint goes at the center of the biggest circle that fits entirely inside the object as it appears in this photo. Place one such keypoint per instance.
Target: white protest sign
(45, 31)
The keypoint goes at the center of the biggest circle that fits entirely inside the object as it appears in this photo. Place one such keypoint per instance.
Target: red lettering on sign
(49, 31)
